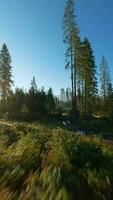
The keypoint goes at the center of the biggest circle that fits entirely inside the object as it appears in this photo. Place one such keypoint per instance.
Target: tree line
(90, 93)
(14, 102)
(87, 95)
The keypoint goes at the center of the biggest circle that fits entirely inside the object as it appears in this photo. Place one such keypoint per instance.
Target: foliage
(37, 162)
(30, 104)
(5, 76)
(71, 40)
(106, 88)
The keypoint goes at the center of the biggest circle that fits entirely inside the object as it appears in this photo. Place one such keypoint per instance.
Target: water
(68, 125)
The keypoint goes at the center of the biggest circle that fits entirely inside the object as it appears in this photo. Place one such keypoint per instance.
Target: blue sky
(32, 30)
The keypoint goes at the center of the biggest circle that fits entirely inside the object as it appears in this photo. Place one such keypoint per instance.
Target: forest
(58, 147)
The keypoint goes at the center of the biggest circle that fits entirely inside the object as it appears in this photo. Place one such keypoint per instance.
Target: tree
(62, 97)
(57, 103)
(109, 100)
(5, 75)
(71, 35)
(88, 76)
(50, 101)
(68, 95)
(104, 79)
(106, 90)
(42, 100)
(33, 88)
(31, 97)
(16, 101)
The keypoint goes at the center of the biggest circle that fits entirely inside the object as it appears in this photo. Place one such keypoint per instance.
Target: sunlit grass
(37, 162)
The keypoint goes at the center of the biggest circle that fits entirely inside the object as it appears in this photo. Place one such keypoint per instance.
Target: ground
(43, 159)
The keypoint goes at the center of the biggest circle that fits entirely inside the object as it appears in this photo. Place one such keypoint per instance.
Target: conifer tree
(62, 97)
(50, 101)
(68, 95)
(5, 74)
(105, 85)
(104, 78)
(33, 88)
(16, 101)
(71, 33)
(88, 76)
(109, 102)
(31, 97)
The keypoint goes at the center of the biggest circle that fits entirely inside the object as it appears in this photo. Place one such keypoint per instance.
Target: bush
(53, 164)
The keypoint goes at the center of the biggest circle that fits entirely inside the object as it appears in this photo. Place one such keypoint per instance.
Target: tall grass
(39, 163)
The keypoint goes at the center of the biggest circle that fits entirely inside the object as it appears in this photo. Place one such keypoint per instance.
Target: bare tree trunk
(85, 97)
(72, 78)
(75, 103)
(82, 98)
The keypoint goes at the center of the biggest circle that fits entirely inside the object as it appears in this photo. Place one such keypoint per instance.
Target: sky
(32, 30)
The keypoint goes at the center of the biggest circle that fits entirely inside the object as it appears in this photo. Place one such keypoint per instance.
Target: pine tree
(31, 97)
(109, 100)
(62, 97)
(50, 101)
(80, 75)
(5, 75)
(16, 101)
(68, 95)
(71, 33)
(105, 86)
(42, 99)
(33, 88)
(76, 44)
(88, 76)
(104, 79)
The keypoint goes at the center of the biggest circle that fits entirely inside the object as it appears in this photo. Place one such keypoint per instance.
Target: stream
(74, 128)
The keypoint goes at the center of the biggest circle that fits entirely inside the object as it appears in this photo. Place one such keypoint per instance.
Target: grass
(42, 161)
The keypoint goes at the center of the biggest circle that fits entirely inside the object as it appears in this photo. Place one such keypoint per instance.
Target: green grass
(42, 161)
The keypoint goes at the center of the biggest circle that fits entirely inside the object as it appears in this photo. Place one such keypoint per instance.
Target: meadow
(43, 162)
